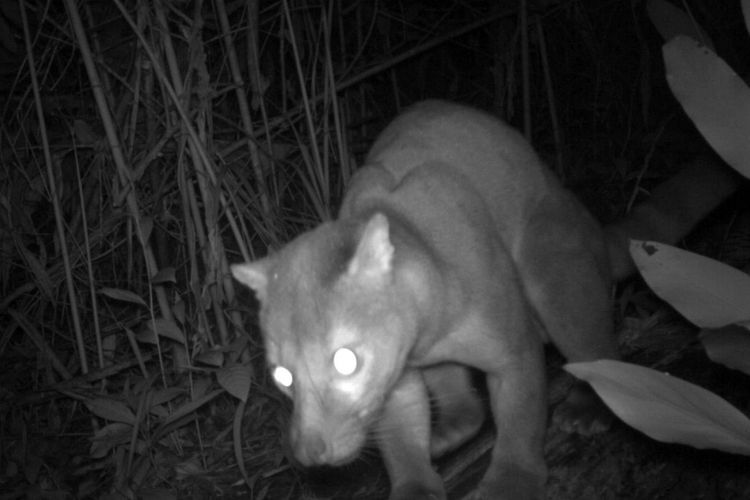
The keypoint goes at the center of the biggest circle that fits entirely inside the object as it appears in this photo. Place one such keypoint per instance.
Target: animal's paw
(417, 491)
(583, 412)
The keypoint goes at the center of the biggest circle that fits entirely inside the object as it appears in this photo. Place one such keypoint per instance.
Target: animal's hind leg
(565, 269)
(569, 288)
(571, 298)
(460, 411)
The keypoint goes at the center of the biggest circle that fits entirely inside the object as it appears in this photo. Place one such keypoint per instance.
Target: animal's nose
(309, 447)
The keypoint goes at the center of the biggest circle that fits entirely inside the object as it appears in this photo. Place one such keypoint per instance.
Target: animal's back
(497, 162)
(490, 185)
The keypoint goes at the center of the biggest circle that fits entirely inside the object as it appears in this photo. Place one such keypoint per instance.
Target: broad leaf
(161, 396)
(109, 437)
(671, 21)
(713, 96)
(161, 326)
(666, 408)
(123, 295)
(236, 380)
(212, 357)
(708, 293)
(111, 409)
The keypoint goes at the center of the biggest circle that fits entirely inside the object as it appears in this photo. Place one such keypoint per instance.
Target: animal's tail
(674, 207)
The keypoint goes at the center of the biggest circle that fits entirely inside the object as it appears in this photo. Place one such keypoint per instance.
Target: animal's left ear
(373, 259)
(253, 275)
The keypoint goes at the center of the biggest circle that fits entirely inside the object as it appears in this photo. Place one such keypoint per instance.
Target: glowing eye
(283, 376)
(345, 361)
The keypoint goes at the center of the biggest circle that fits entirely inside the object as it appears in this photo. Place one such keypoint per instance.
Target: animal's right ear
(253, 275)
(373, 259)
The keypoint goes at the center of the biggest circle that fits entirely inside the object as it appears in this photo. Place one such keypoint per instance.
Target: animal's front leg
(460, 411)
(519, 406)
(404, 441)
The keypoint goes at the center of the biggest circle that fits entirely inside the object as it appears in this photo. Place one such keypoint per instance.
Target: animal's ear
(373, 259)
(253, 275)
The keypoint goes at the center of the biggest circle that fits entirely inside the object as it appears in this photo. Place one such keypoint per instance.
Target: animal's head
(337, 332)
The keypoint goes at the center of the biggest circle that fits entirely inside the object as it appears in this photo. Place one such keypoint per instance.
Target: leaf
(124, 295)
(183, 411)
(108, 437)
(235, 379)
(213, 357)
(178, 310)
(671, 21)
(708, 293)
(146, 225)
(666, 408)
(713, 96)
(166, 275)
(110, 409)
(161, 326)
(189, 468)
(161, 396)
(729, 346)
